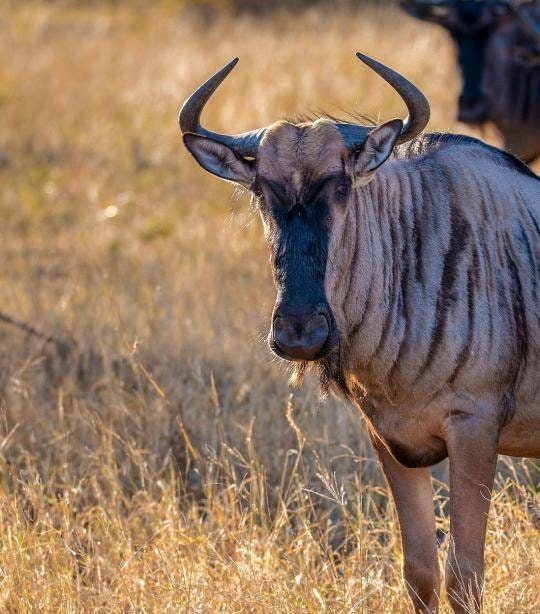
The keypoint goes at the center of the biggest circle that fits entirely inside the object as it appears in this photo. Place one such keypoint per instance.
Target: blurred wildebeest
(498, 49)
(408, 273)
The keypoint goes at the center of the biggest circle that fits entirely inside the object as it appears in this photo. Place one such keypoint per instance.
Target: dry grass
(157, 464)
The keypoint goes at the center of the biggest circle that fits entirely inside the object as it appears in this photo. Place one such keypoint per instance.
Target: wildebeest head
(471, 24)
(302, 176)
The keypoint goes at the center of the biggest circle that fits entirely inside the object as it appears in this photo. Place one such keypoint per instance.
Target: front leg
(472, 443)
(413, 497)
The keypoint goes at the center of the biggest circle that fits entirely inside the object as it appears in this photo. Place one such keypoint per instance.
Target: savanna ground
(151, 456)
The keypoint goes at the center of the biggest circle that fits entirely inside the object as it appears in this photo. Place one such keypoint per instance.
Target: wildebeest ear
(377, 147)
(220, 160)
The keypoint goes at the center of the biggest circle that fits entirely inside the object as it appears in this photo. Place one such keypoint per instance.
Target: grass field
(152, 457)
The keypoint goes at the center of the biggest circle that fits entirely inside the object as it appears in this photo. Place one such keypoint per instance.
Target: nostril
(283, 326)
(317, 325)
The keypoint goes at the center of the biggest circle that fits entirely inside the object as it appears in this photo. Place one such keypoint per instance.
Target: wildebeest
(498, 50)
(408, 275)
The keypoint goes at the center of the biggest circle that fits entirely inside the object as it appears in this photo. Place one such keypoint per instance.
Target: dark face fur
(297, 207)
(303, 178)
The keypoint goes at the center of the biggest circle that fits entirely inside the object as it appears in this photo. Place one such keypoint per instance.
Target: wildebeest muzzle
(303, 332)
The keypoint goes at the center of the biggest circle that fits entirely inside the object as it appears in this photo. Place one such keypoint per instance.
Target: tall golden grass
(151, 456)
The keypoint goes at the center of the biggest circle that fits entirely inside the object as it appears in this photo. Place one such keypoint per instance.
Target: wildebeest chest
(411, 430)
(411, 434)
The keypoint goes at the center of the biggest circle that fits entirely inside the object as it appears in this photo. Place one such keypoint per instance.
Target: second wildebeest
(408, 275)
(498, 52)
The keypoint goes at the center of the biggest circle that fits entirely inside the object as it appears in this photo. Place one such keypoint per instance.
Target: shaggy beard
(329, 371)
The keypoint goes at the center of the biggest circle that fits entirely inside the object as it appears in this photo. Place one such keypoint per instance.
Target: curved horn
(245, 144)
(417, 103)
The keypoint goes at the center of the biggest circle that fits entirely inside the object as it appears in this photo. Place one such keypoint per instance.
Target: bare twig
(62, 346)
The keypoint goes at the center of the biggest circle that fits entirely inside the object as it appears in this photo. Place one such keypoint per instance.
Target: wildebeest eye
(271, 193)
(277, 193)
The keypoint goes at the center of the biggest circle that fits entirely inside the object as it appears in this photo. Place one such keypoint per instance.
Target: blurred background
(135, 295)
